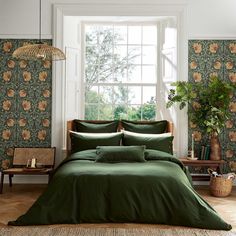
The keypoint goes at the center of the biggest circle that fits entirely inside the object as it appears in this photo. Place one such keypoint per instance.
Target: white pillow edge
(146, 135)
(93, 134)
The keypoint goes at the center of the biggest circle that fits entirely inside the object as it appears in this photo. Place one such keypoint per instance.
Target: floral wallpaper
(25, 101)
(207, 58)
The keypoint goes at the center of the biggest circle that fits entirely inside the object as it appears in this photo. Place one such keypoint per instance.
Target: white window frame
(141, 85)
(117, 8)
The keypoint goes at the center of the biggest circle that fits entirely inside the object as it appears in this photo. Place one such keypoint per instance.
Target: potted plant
(208, 106)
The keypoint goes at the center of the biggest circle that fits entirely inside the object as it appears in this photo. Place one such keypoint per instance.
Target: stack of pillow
(153, 135)
(134, 136)
(89, 135)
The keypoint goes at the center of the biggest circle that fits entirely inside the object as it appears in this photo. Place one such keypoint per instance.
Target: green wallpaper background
(207, 58)
(25, 101)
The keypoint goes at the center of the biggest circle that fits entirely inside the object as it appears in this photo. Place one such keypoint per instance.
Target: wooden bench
(44, 156)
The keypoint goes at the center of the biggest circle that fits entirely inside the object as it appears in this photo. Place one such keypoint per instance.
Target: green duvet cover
(157, 191)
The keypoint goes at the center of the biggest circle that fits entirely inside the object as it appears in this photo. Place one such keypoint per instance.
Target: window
(120, 71)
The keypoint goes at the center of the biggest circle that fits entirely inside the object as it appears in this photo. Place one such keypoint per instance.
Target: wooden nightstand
(215, 165)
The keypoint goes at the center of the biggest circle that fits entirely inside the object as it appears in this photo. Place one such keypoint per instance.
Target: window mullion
(127, 61)
(142, 72)
(137, 86)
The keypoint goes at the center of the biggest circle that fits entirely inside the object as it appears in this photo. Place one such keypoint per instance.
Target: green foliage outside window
(103, 65)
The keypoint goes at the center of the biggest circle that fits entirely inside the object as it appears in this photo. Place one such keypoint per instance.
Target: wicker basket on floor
(220, 186)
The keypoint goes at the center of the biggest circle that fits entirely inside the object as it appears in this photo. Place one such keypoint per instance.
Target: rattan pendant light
(39, 51)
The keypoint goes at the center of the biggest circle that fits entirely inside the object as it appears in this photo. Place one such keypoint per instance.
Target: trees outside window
(120, 71)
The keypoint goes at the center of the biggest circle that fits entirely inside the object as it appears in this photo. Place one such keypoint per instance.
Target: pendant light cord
(40, 19)
(39, 50)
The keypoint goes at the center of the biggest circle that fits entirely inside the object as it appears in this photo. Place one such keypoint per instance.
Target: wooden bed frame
(71, 126)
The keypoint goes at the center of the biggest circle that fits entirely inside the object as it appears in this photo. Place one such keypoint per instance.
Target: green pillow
(85, 141)
(120, 154)
(161, 142)
(101, 127)
(152, 127)
(151, 154)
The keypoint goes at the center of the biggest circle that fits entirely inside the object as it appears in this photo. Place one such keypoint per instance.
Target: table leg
(220, 169)
(10, 180)
(1, 184)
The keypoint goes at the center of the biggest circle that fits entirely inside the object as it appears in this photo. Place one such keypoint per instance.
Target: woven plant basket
(220, 186)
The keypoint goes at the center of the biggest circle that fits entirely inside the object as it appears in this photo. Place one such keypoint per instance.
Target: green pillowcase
(101, 127)
(85, 141)
(151, 154)
(155, 127)
(159, 142)
(120, 154)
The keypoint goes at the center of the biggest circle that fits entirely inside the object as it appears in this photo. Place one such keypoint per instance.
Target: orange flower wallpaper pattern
(25, 101)
(209, 58)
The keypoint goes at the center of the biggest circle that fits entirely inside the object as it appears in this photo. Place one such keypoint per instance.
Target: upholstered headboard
(71, 126)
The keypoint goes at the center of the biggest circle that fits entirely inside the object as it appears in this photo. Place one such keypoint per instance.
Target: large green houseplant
(208, 106)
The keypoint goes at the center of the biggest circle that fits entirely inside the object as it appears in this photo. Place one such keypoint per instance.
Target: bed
(138, 182)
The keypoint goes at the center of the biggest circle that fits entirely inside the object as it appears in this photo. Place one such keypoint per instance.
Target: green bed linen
(156, 191)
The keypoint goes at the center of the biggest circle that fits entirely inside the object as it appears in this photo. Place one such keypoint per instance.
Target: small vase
(215, 147)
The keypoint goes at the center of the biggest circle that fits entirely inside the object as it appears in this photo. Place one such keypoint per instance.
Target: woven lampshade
(39, 51)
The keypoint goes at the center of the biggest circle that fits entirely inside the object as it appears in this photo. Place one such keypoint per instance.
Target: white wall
(205, 18)
(19, 18)
(71, 31)
(211, 19)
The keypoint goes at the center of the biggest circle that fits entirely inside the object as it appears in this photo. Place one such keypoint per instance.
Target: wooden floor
(15, 201)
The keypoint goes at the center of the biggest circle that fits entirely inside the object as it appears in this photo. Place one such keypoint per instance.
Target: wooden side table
(44, 155)
(215, 165)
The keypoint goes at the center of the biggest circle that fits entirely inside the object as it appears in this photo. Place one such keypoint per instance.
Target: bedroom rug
(107, 231)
